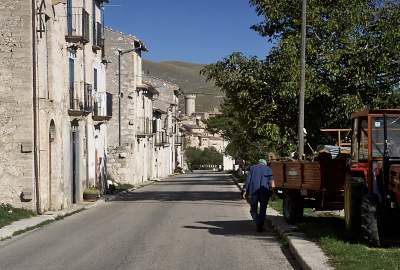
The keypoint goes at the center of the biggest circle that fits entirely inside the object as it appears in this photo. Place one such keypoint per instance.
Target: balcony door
(69, 16)
(72, 83)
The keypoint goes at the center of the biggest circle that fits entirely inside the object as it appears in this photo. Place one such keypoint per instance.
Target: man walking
(259, 185)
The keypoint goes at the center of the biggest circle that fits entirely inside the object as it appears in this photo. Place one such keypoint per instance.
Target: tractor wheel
(354, 189)
(292, 207)
(369, 220)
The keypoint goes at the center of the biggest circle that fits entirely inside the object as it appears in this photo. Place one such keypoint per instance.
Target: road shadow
(229, 228)
(220, 194)
(245, 229)
(176, 196)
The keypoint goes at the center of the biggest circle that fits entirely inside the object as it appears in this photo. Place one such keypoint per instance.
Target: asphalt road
(190, 221)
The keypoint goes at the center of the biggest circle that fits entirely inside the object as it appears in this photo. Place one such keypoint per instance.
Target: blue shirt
(259, 175)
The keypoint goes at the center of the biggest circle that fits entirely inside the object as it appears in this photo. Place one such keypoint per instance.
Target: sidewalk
(23, 224)
(307, 253)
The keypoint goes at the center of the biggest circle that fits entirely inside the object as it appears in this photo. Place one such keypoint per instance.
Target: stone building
(167, 141)
(143, 141)
(53, 101)
(130, 129)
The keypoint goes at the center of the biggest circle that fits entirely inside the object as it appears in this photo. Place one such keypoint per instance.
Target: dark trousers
(260, 196)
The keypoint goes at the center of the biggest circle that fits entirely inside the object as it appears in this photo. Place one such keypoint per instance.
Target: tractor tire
(293, 207)
(369, 220)
(354, 189)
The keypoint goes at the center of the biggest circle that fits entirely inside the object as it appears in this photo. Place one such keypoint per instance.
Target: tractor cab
(376, 152)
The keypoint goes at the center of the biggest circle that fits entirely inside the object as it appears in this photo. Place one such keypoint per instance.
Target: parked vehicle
(367, 185)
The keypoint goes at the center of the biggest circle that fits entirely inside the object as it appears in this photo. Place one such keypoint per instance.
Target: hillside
(187, 77)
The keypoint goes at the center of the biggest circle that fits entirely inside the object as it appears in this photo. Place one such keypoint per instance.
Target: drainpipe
(35, 111)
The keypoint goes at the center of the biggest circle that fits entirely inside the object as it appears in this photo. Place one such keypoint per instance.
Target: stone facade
(136, 154)
(52, 84)
(167, 140)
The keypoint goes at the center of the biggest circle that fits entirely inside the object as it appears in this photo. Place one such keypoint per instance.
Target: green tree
(196, 157)
(240, 143)
(352, 63)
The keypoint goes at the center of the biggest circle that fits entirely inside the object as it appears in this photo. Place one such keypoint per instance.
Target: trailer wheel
(292, 207)
(369, 220)
(354, 189)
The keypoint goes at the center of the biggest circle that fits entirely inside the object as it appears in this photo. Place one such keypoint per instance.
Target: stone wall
(16, 110)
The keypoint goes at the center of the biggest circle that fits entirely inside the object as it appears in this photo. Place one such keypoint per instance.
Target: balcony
(144, 126)
(178, 139)
(78, 26)
(102, 109)
(161, 138)
(80, 99)
(98, 43)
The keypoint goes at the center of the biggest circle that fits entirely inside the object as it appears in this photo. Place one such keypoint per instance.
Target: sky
(195, 31)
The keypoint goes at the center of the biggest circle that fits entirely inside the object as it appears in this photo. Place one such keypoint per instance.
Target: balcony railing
(78, 26)
(144, 126)
(80, 99)
(161, 138)
(102, 109)
(178, 139)
(98, 36)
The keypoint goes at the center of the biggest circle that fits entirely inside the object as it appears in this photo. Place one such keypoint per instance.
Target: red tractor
(367, 185)
(372, 185)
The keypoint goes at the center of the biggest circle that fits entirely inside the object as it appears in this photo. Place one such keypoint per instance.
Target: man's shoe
(260, 229)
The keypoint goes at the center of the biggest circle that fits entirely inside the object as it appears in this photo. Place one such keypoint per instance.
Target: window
(69, 16)
(94, 7)
(363, 146)
(393, 136)
(71, 82)
(95, 78)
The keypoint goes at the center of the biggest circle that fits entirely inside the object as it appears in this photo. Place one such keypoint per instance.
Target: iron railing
(178, 139)
(161, 138)
(144, 126)
(80, 99)
(102, 109)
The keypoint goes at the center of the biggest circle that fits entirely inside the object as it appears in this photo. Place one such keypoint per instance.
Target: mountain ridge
(187, 76)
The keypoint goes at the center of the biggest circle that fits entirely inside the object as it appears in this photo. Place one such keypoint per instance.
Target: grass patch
(277, 205)
(9, 214)
(46, 222)
(123, 187)
(347, 250)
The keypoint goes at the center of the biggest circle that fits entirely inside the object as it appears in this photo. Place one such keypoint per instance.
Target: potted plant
(91, 193)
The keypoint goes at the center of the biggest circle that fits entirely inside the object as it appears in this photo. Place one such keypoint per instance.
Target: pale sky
(196, 31)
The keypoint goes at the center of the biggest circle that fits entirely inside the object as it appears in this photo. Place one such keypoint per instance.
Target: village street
(189, 221)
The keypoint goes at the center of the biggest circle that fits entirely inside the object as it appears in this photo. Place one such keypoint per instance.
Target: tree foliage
(196, 157)
(352, 63)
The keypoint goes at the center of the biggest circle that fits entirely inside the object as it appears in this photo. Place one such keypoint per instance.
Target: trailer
(310, 184)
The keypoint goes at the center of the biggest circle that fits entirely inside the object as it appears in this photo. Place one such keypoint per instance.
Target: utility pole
(302, 79)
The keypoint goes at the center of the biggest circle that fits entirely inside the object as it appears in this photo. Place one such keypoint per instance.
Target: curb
(307, 253)
(24, 224)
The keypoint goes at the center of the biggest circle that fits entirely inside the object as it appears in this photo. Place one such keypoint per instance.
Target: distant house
(53, 102)
(167, 141)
